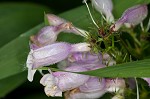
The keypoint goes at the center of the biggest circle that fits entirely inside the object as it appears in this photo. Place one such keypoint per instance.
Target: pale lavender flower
(51, 54)
(54, 53)
(55, 20)
(58, 82)
(105, 7)
(48, 34)
(133, 16)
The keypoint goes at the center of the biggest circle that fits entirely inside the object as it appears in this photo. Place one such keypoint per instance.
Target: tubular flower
(54, 53)
(132, 16)
(55, 20)
(58, 82)
(48, 34)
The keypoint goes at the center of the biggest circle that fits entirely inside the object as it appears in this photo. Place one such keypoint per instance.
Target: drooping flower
(58, 82)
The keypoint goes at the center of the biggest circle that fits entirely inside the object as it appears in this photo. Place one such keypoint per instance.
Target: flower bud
(133, 16)
(105, 7)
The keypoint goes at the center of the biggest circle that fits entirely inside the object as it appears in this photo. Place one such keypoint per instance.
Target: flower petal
(93, 84)
(29, 63)
(80, 47)
(48, 34)
(50, 89)
(50, 54)
(67, 81)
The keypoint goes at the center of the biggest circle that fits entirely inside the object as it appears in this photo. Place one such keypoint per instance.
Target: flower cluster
(45, 50)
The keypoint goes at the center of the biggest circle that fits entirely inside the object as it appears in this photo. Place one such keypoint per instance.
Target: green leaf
(13, 61)
(16, 18)
(130, 69)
